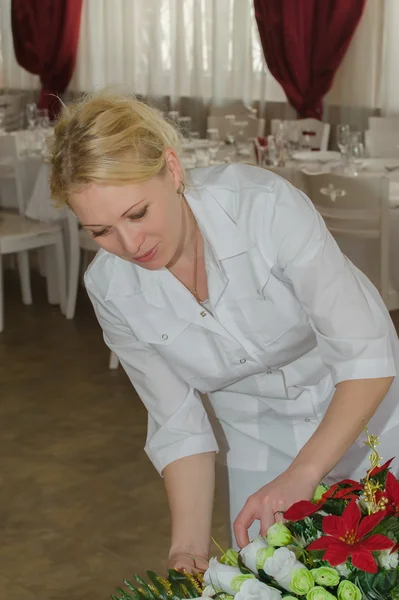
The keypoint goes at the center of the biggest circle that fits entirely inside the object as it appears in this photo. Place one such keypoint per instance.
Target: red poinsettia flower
(304, 508)
(391, 493)
(377, 470)
(345, 536)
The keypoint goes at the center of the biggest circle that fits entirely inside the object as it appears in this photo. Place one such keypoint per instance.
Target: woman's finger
(242, 523)
(267, 519)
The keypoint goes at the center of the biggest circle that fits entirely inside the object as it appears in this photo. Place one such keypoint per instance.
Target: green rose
(348, 591)
(262, 555)
(238, 580)
(319, 593)
(302, 581)
(326, 576)
(319, 491)
(230, 558)
(289, 598)
(279, 535)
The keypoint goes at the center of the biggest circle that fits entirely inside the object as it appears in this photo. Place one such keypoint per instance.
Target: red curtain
(304, 42)
(45, 34)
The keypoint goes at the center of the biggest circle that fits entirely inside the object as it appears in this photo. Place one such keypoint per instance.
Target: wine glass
(241, 137)
(343, 139)
(185, 126)
(31, 115)
(229, 124)
(355, 154)
(213, 137)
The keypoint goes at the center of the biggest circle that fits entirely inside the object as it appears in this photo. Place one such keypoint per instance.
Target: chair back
(318, 132)
(355, 210)
(384, 124)
(383, 144)
(10, 167)
(256, 127)
(12, 107)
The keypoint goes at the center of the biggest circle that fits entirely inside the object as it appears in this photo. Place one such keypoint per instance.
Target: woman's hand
(184, 561)
(268, 503)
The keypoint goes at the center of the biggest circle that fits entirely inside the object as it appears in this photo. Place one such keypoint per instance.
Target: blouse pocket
(185, 347)
(278, 323)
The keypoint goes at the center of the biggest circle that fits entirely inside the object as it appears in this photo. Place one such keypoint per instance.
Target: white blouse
(289, 317)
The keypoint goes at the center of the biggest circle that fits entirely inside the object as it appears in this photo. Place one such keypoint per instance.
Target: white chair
(384, 124)
(79, 240)
(293, 175)
(18, 234)
(241, 111)
(256, 127)
(319, 132)
(355, 209)
(12, 105)
(382, 144)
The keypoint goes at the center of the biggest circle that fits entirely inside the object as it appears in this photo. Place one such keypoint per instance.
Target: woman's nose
(131, 240)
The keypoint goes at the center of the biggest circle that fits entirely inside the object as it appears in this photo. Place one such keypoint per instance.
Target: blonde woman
(224, 282)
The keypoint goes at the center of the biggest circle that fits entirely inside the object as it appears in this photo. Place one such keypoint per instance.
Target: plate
(317, 156)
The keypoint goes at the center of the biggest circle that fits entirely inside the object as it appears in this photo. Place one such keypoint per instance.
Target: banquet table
(40, 207)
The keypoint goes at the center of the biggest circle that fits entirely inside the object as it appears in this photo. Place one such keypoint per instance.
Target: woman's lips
(147, 256)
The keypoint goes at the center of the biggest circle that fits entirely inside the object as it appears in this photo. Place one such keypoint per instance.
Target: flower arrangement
(342, 545)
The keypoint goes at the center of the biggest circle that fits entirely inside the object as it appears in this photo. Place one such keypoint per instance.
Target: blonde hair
(108, 139)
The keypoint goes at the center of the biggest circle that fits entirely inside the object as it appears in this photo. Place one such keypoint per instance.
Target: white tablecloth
(40, 206)
(363, 252)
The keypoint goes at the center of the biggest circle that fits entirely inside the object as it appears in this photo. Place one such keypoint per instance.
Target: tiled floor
(81, 507)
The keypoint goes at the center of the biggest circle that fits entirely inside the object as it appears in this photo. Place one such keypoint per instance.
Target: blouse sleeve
(345, 310)
(178, 424)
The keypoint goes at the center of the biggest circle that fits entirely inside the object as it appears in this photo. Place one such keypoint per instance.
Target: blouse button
(203, 313)
(242, 361)
(307, 420)
(164, 336)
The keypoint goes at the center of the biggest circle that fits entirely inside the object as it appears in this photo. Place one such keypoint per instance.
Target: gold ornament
(370, 487)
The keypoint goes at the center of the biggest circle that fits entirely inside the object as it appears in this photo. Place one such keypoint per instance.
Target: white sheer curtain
(176, 48)
(210, 49)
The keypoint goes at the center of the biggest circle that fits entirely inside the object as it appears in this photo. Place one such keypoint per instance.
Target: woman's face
(141, 222)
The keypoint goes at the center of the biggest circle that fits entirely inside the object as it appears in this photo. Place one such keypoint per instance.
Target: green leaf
(388, 525)
(335, 506)
(137, 595)
(394, 593)
(149, 593)
(177, 579)
(163, 592)
(125, 595)
(269, 580)
(375, 586)
(242, 567)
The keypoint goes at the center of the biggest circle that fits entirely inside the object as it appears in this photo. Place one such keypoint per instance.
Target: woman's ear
(173, 166)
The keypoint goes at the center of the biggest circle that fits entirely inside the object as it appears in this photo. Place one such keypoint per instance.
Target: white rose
(388, 561)
(289, 573)
(253, 589)
(255, 554)
(224, 578)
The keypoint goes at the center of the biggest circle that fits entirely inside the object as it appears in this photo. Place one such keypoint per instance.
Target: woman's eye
(139, 215)
(99, 233)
